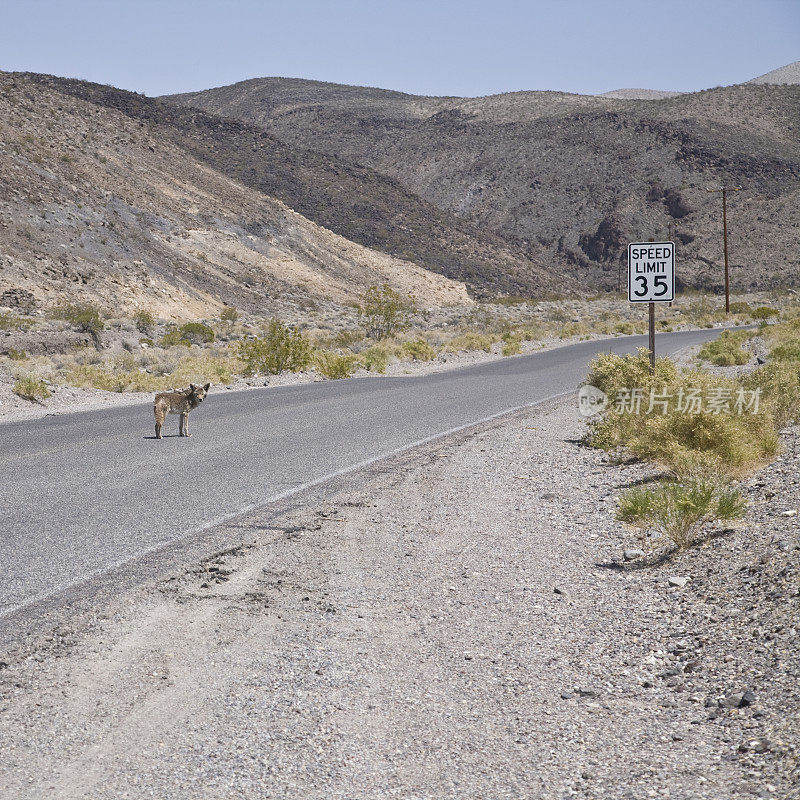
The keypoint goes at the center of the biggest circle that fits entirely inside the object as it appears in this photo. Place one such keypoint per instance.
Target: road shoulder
(458, 626)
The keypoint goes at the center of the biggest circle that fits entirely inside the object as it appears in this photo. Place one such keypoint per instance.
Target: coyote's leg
(182, 426)
(160, 414)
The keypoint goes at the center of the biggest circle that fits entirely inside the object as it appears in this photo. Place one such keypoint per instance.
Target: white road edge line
(283, 495)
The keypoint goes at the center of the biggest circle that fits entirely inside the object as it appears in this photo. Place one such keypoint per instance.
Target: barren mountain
(569, 178)
(349, 199)
(97, 206)
(788, 74)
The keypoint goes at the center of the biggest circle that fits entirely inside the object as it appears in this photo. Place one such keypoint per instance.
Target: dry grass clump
(127, 374)
(10, 321)
(676, 510)
(29, 387)
(470, 340)
(335, 365)
(418, 350)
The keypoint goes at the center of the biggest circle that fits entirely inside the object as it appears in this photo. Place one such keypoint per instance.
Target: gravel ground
(460, 628)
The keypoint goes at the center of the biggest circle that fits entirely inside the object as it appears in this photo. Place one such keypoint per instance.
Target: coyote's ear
(192, 387)
(207, 387)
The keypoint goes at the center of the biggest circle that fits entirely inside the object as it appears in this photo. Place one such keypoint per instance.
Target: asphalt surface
(83, 493)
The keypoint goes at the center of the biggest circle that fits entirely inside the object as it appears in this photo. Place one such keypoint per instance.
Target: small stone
(679, 581)
(737, 700)
(792, 512)
(559, 590)
(566, 695)
(632, 554)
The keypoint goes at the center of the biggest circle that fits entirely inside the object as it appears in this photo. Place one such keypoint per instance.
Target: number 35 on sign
(651, 272)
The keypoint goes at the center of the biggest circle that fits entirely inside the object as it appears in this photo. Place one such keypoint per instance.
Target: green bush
(145, 322)
(676, 510)
(418, 350)
(30, 388)
(197, 333)
(726, 351)
(335, 365)
(741, 308)
(765, 312)
(229, 314)
(16, 355)
(277, 350)
(384, 312)
(173, 337)
(84, 318)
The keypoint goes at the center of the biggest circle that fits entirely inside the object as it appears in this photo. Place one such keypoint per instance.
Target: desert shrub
(29, 387)
(376, 358)
(741, 307)
(418, 350)
(335, 365)
(205, 368)
(765, 312)
(278, 349)
(9, 321)
(383, 312)
(197, 333)
(147, 341)
(145, 322)
(675, 510)
(16, 355)
(687, 441)
(726, 351)
(229, 314)
(530, 331)
(512, 345)
(173, 337)
(510, 300)
(571, 329)
(779, 385)
(469, 341)
(86, 318)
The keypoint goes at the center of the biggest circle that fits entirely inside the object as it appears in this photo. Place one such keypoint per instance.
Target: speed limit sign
(651, 272)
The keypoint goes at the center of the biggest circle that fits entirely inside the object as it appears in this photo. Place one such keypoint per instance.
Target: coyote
(181, 402)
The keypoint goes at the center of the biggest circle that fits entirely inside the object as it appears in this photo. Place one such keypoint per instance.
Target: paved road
(82, 493)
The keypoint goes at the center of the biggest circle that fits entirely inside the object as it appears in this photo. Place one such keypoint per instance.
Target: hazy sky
(419, 46)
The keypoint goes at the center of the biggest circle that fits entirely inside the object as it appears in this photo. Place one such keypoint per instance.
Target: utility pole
(725, 190)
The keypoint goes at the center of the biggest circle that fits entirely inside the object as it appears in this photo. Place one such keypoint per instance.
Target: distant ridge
(788, 74)
(639, 94)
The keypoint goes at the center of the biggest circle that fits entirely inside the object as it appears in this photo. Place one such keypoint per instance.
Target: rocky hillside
(97, 206)
(788, 74)
(570, 179)
(349, 199)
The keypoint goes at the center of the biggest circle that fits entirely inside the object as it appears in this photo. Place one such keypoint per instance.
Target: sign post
(651, 279)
